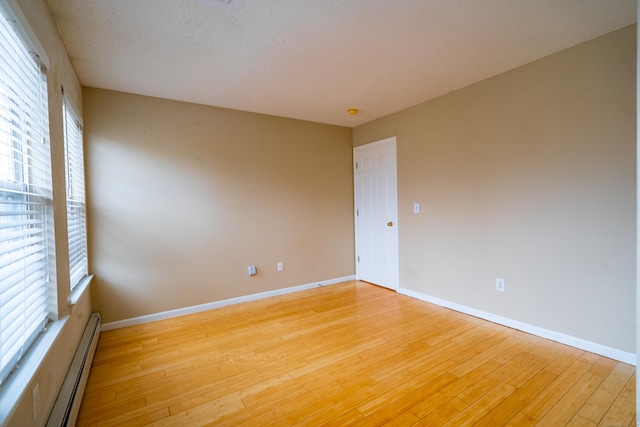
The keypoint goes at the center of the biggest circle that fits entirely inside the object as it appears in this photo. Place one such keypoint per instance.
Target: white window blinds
(25, 198)
(76, 211)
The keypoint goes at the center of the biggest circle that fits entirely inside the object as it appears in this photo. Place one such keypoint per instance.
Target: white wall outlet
(252, 270)
(280, 266)
(416, 208)
(499, 284)
(36, 401)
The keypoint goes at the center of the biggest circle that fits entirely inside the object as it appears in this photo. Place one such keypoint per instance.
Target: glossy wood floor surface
(347, 354)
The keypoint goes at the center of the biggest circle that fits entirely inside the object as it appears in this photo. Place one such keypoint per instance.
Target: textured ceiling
(314, 59)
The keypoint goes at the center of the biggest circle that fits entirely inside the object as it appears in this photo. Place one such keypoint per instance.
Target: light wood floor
(347, 354)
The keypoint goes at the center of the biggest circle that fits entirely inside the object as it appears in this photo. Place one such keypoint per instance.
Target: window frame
(75, 194)
(27, 189)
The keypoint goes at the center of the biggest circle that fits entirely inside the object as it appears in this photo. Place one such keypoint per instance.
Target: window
(76, 211)
(25, 198)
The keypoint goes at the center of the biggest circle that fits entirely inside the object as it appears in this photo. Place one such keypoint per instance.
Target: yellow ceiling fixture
(353, 111)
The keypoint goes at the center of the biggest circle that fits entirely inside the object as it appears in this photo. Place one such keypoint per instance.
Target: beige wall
(53, 366)
(184, 197)
(528, 176)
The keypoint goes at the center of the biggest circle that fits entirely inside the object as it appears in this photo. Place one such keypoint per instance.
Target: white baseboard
(217, 304)
(589, 346)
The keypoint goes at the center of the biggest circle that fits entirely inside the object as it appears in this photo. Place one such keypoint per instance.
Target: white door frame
(394, 262)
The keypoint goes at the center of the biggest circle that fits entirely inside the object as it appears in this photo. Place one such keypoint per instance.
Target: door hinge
(358, 258)
(357, 212)
(356, 165)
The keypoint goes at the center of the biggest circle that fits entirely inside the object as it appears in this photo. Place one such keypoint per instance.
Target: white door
(376, 213)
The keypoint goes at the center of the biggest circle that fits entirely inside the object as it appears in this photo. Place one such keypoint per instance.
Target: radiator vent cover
(65, 411)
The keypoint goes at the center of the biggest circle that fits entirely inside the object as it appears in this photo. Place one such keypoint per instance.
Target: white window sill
(16, 387)
(79, 289)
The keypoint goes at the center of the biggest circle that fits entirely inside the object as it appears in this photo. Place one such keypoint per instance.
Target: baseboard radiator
(65, 410)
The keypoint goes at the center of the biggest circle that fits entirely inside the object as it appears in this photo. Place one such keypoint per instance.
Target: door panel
(376, 213)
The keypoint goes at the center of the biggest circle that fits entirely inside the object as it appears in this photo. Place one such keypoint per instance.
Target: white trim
(572, 341)
(376, 143)
(218, 304)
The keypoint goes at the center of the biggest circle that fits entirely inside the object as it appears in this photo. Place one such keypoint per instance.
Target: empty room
(242, 212)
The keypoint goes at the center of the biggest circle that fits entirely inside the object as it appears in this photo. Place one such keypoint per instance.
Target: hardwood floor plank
(443, 413)
(603, 366)
(566, 359)
(493, 347)
(622, 411)
(527, 372)
(426, 407)
(578, 421)
(521, 420)
(565, 408)
(601, 400)
(544, 401)
(509, 407)
(481, 407)
(402, 420)
(346, 354)
(135, 418)
(380, 410)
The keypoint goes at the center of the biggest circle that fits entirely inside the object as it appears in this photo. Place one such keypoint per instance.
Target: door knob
(390, 224)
